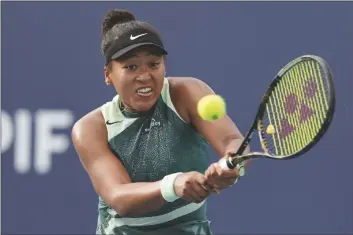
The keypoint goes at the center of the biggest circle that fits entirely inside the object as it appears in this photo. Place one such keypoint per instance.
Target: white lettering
(17, 132)
(22, 147)
(6, 131)
(46, 142)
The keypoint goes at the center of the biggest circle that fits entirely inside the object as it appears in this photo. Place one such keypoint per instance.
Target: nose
(144, 75)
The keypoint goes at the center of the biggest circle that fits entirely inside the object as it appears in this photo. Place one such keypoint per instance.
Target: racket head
(299, 105)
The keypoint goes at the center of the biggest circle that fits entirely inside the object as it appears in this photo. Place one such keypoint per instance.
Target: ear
(108, 80)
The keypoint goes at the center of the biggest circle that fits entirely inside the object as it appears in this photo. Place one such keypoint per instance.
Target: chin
(145, 104)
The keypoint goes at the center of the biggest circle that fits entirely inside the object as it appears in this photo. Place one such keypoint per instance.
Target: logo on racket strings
(296, 106)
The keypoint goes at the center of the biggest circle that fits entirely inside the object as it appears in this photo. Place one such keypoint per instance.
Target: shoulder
(188, 87)
(92, 120)
(90, 130)
(184, 83)
(185, 92)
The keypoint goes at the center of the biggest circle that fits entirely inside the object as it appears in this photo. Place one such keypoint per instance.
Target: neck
(133, 113)
(125, 107)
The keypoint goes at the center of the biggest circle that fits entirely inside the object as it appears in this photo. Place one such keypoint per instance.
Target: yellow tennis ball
(211, 107)
(270, 129)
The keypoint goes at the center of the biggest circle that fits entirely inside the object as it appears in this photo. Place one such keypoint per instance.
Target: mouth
(144, 91)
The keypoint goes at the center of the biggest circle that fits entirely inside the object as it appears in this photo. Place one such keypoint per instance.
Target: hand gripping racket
(294, 113)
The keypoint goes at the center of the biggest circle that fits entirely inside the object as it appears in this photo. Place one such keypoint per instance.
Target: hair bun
(116, 16)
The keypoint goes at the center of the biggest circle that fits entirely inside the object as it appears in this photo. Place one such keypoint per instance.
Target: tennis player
(146, 150)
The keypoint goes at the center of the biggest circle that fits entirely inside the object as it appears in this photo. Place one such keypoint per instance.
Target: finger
(218, 173)
(202, 180)
(201, 186)
(213, 177)
(210, 189)
(224, 182)
(195, 195)
(219, 182)
(211, 170)
(214, 186)
(211, 182)
(214, 190)
(224, 173)
(219, 185)
(207, 172)
(203, 189)
(201, 193)
(189, 194)
(207, 187)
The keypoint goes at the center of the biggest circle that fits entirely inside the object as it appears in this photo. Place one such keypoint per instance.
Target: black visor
(131, 40)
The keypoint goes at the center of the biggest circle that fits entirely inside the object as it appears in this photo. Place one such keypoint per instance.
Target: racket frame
(237, 157)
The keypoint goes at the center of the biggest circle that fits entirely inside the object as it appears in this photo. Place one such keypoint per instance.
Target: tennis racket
(295, 112)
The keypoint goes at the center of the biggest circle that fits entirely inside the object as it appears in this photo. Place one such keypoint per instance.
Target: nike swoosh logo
(137, 36)
(111, 123)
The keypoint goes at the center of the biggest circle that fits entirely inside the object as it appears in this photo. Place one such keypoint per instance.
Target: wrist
(167, 187)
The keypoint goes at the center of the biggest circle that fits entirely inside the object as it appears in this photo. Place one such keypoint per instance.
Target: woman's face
(138, 78)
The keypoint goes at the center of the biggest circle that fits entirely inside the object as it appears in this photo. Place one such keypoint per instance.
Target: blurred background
(52, 74)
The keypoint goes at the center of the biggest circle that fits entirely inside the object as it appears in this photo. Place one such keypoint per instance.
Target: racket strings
(297, 109)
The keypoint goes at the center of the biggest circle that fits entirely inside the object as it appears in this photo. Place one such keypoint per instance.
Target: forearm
(136, 199)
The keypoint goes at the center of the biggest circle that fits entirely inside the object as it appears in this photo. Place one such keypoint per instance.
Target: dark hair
(116, 22)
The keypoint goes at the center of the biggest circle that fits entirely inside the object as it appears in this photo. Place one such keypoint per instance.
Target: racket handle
(230, 163)
(226, 163)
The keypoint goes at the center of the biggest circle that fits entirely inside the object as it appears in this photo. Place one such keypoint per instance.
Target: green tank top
(152, 145)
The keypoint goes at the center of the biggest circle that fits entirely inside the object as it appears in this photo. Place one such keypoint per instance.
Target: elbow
(126, 206)
(126, 213)
(121, 212)
(120, 204)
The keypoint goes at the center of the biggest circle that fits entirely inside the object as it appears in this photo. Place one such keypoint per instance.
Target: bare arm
(109, 177)
(222, 134)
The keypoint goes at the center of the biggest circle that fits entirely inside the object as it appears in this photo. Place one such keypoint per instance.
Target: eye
(130, 67)
(154, 64)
